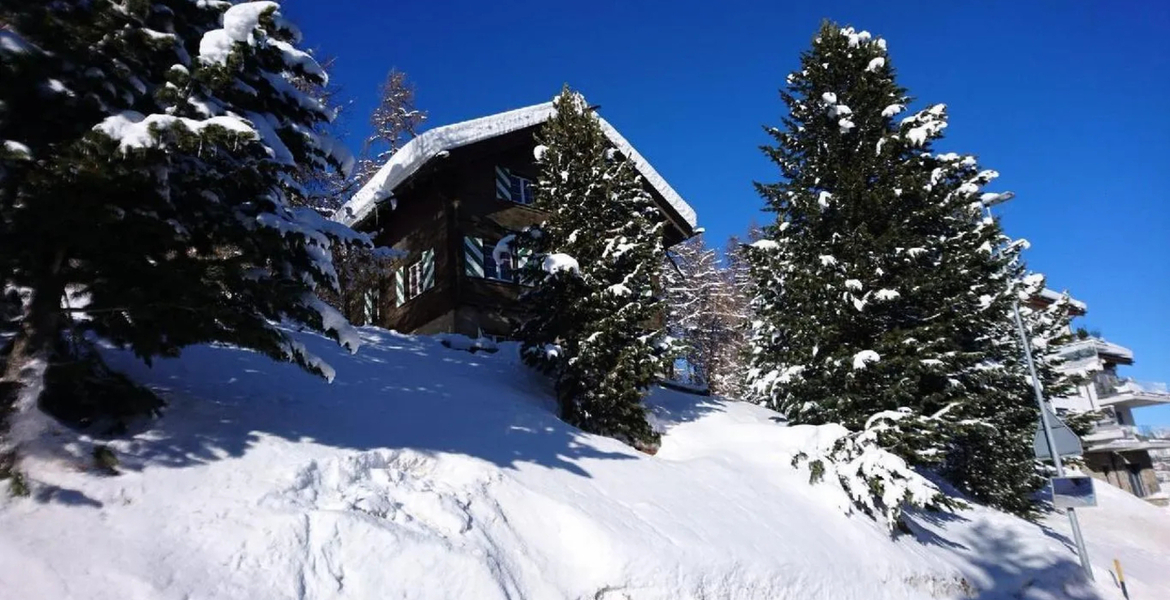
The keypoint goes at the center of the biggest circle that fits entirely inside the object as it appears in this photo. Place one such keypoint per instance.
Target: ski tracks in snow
(414, 507)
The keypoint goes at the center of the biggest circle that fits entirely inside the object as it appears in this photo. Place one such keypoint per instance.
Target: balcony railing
(1092, 347)
(1108, 384)
(1108, 431)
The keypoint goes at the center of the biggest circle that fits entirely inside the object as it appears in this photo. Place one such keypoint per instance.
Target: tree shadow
(49, 494)
(1014, 571)
(914, 519)
(396, 392)
(1005, 567)
(668, 408)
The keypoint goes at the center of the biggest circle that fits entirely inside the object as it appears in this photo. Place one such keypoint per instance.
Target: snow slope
(428, 472)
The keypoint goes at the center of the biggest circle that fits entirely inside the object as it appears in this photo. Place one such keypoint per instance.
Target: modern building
(1161, 458)
(447, 198)
(1115, 450)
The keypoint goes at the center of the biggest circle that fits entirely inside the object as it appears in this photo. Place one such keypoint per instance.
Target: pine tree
(992, 458)
(597, 260)
(155, 182)
(881, 286)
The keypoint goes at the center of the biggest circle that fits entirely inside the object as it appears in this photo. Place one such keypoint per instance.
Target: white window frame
(414, 279)
(526, 190)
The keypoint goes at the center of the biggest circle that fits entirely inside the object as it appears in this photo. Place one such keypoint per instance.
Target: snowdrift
(424, 472)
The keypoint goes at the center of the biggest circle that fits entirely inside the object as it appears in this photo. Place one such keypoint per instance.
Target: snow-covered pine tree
(324, 189)
(880, 285)
(1050, 330)
(993, 460)
(597, 259)
(158, 144)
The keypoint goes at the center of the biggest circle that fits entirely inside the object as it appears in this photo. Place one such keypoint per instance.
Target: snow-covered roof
(417, 152)
(1053, 296)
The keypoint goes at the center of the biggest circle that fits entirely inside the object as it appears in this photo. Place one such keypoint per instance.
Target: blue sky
(1067, 100)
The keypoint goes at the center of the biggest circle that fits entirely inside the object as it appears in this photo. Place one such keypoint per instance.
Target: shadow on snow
(1008, 569)
(396, 392)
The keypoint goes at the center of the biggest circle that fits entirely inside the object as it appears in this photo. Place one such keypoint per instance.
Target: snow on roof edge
(652, 176)
(417, 152)
(1053, 295)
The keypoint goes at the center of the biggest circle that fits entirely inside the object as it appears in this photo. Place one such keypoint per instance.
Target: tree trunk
(40, 327)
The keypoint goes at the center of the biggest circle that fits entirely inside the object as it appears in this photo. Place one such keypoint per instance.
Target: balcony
(1120, 391)
(1096, 348)
(1108, 434)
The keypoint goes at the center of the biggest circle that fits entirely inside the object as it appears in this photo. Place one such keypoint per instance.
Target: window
(370, 305)
(507, 270)
(513, 188)
(415, 279)
(525, 190)
(479, 260)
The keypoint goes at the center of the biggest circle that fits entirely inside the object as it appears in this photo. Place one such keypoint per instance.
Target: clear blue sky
(1069, 101)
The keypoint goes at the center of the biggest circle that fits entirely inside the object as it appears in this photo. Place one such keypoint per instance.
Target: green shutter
(370, 306)
(503, 184)
(428, 270)
(473, 256)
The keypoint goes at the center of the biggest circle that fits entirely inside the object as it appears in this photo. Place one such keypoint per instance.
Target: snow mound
(424, 472)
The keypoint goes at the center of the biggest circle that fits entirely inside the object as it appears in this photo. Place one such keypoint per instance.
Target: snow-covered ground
(428, 472)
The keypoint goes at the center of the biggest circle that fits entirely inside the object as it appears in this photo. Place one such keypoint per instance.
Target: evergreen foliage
(597, 260)
(149, 182)
(881, 286)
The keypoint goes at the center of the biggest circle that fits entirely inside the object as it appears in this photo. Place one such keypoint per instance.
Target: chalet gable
(437, 142)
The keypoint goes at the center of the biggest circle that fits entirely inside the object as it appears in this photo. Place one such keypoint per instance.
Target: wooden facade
(446, 210)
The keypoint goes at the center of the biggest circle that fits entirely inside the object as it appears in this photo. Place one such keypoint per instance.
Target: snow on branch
(135, 130)
(556, 262)
(238, 23)
(876, 481)
(925, 125)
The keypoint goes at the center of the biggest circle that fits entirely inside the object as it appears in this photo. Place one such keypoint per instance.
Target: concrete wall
(1115, 467)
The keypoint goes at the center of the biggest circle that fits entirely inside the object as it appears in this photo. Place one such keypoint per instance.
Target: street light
(989, 200)
(1072, 515)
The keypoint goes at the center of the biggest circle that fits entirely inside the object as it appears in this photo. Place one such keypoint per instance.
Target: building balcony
(1109, 435)
(1119, 391)
(1096, 348)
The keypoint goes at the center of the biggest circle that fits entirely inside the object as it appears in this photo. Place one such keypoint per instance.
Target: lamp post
(1047, 427)
(1040, 401)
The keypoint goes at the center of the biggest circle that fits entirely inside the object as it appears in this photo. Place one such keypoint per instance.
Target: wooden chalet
(445, 199)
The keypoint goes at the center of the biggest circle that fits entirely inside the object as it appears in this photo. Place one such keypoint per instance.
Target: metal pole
(1072, 515)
